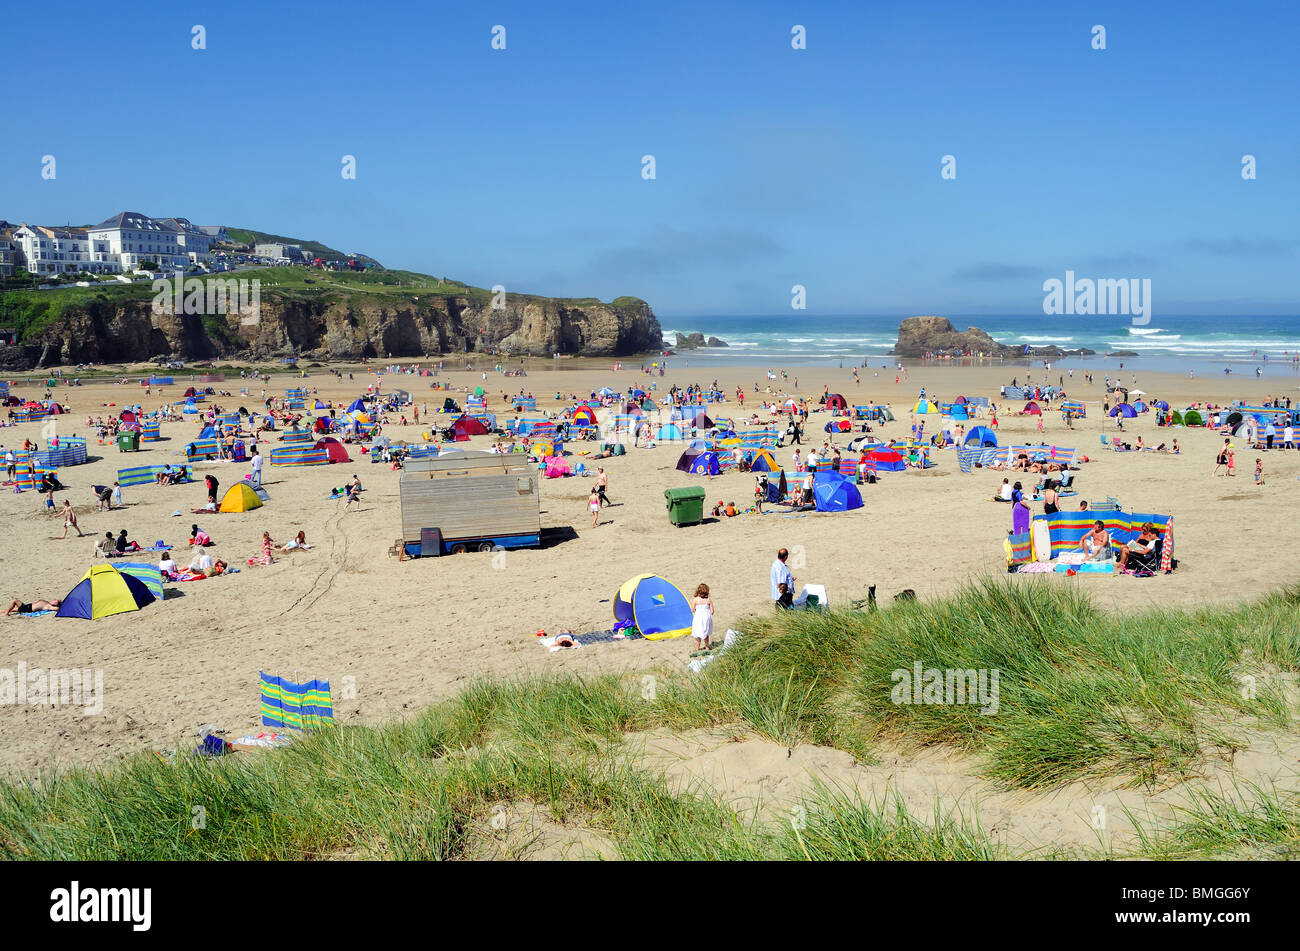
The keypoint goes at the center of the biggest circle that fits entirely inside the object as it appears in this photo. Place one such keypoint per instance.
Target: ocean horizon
(1178, 343)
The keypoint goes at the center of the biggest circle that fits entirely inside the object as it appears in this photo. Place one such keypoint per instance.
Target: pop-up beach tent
(956, 411)
(1123, 409)
(104, 591)
(764, 461)
(657, 608)
(836, 403)
(699, 462)
(336, 450)
(981, 436)
(467, 426)
(1032, 409)
(240, 497)
(885, 460)
(925, 406)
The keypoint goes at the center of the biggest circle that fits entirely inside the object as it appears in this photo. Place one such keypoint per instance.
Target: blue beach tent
(981, 436)
(655, 606)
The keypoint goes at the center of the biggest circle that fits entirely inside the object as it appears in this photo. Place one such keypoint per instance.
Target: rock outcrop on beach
(919, 336)
(694, 341)
(339, 326)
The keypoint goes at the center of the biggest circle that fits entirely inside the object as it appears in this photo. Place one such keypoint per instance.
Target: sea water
(1202, 344)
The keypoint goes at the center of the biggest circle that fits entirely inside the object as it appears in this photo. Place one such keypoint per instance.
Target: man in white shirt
(781, 573)
(1288, 437)
(257, 467)
(202, 561)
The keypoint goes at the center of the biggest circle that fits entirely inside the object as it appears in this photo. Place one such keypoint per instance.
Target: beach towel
(31, 614)
(595, 637)
(1036, 568)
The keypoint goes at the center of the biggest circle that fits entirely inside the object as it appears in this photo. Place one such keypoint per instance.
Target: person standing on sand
(702, 618)
(780, 575)
(257, 467)
(1232, 462)
(602, 483)
(70, 520)
(593, 503)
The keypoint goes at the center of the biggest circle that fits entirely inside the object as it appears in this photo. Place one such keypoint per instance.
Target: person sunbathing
(1096, 544)
(30, 607)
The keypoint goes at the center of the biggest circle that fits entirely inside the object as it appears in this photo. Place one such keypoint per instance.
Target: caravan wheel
(458, 549)
(487, 546)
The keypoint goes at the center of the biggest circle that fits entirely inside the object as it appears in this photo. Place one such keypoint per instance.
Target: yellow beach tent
(240, 497)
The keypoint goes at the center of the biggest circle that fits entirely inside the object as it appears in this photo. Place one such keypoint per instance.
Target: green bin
(685, 505)
(128, 442)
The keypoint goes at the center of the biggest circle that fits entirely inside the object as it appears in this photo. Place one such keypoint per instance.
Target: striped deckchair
(286, 704)
(151, 575)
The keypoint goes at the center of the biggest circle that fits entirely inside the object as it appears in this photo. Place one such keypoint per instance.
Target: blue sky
(775, 167)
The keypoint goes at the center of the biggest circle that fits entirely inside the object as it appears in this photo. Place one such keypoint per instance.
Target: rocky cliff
(918, 336)
(338, 327)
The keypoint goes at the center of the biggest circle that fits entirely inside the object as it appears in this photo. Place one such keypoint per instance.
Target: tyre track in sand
(335, 561)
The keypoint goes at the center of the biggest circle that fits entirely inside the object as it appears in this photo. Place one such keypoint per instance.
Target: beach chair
(1149, 561)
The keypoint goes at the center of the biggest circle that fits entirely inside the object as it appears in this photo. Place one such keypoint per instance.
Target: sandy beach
(403, 634)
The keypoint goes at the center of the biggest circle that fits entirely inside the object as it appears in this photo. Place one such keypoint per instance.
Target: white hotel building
(111, 247)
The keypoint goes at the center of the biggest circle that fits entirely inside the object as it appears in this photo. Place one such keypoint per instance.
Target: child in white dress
(702, 618)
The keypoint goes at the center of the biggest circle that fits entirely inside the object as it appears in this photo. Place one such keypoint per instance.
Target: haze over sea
(1170, 343)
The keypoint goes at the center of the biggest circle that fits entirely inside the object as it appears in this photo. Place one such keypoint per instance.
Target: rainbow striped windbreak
(297, 706)
(1067, 528)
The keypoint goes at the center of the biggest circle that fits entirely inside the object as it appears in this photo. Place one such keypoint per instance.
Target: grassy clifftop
(33, 311)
